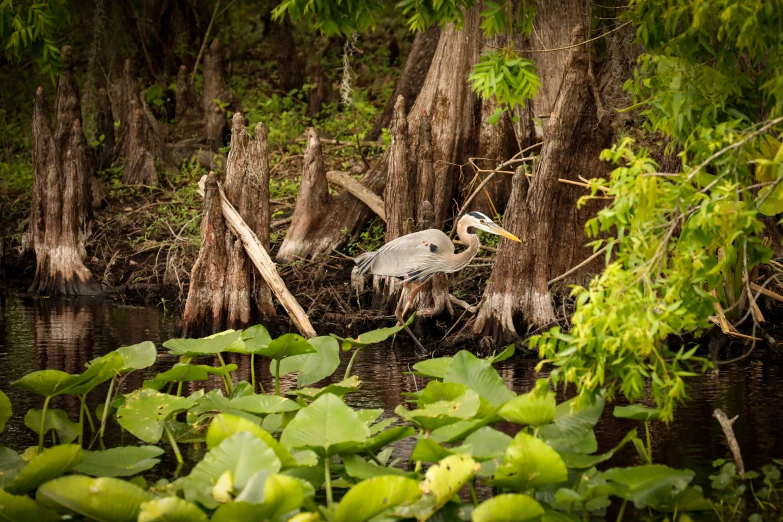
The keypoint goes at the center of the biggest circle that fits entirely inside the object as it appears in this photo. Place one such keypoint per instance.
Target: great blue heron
(417, 257)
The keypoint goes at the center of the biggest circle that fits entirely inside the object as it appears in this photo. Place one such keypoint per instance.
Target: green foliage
(29, 29)
(507, 76)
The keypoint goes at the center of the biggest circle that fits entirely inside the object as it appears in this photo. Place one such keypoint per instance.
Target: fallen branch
(728, 430)
(263, 263)
(577, 267)
(463, 304)
(357, 190)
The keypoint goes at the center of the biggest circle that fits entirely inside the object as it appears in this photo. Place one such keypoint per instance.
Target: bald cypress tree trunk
(216, 97)
(545, 216)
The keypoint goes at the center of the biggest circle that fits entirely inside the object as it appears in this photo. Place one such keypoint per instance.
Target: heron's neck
(464, 258)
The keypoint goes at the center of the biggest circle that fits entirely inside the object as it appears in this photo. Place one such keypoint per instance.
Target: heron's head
(483, 222)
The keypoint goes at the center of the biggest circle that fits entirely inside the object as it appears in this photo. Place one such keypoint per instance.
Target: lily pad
(535, 408)
(326, 422)
(637, 412)
(120, 462)
(5, 410)
(211, 345)
(254, 339)
(224, 426)
(374, 496)
(47, 465)
(433, 368)
(56, 420)
(46, 383)
(373, 336)
(138, 356)
(509, 507)
(101, 499)
(185, 372)
(652, 485)
(360, 469)
(488, 443)
(312, 367)
(10, 466)
(530, 463)
(21, 508)
(441, 404)
(440, 484)
(145, 412)
(171, 509)
(478, 375)
(286, 345)
(264, 404)
(340, 389)
(572, 429)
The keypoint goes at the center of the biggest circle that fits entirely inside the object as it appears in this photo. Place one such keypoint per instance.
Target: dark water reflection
(64, 334)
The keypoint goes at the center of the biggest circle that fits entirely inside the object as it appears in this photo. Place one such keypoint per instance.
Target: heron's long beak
(503, 232)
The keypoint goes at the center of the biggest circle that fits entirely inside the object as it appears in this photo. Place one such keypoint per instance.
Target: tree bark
(412, 77)
(187, 111)
(104, 126)
(216, 97)
(224, 287)
(290, 66)
(398, 198)
(546, 219)
(58, 195)
(320, 91)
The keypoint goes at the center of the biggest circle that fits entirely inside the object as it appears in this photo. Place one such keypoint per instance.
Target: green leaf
(56, 420)
(478, 375)
(652, 485)
(372, 337)
(359, 468)
(46, 383)
(254, 339)
(351, 384)
(637, 412)
(145, 412)
(530, 463)
(458, 403)
(573, 428)
(323, 424)
(5, 410)
(433, 368)
(101, 499)
(440, 484)
(488, 443)
(241, 456)
(171, 509)
(770, 199)
(224, 426)
(214, 344)
(375, 496)
(23, 509)
(184, 372)
(264, 404)
(138, 356)
(312, 367)
(287, 345)
(509, 507)
(120, 462)
(535, 408)
(10, 466)
(576, 460)
(49, 464)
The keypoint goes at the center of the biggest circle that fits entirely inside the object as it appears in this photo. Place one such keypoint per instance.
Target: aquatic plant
(310, 456)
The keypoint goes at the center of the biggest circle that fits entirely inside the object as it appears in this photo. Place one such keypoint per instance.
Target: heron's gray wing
(409, 256)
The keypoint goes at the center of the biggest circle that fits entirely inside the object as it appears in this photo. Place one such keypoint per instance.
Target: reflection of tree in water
(63, 334)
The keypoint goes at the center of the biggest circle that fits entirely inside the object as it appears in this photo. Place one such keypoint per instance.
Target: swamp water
(64, 334)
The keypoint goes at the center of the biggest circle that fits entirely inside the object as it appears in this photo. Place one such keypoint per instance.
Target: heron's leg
(413, 289)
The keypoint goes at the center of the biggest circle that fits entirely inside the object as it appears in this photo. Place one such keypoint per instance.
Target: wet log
(412, 77)
(104, 130)
(398, 198)
(58, 195)
(359, 191)
(216, 97)
(546, 219)
(446, 98)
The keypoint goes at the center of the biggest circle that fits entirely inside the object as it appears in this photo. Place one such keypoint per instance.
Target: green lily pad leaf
(652, 485)
(102, 499)
(509, 507)
(171, 509)
(98, 371)
(145, 412)
(46, 383)
(5, 410)
(427, 450)
(576, 460)
(264, 404)
(351, 384)
(49, 464)
(22, 508)
(690, 499)
(254, 339)
(184, 372)
(535, 408)
(10, 466)
(241, 456)
(224, 426)
(374, 496)
(488, 443)
(433, 368)
(478, 375)
(373, 336)
(360, 469)
(211, 345)
(322, 425)
(637, 412)
(530, 463)
(507, 352)
(573, 428)
(441, 483)
(287, 345)
(56, 420)
(278, 494)
(441, 404)
(138, 356)
(120, 462)
(312, 367)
